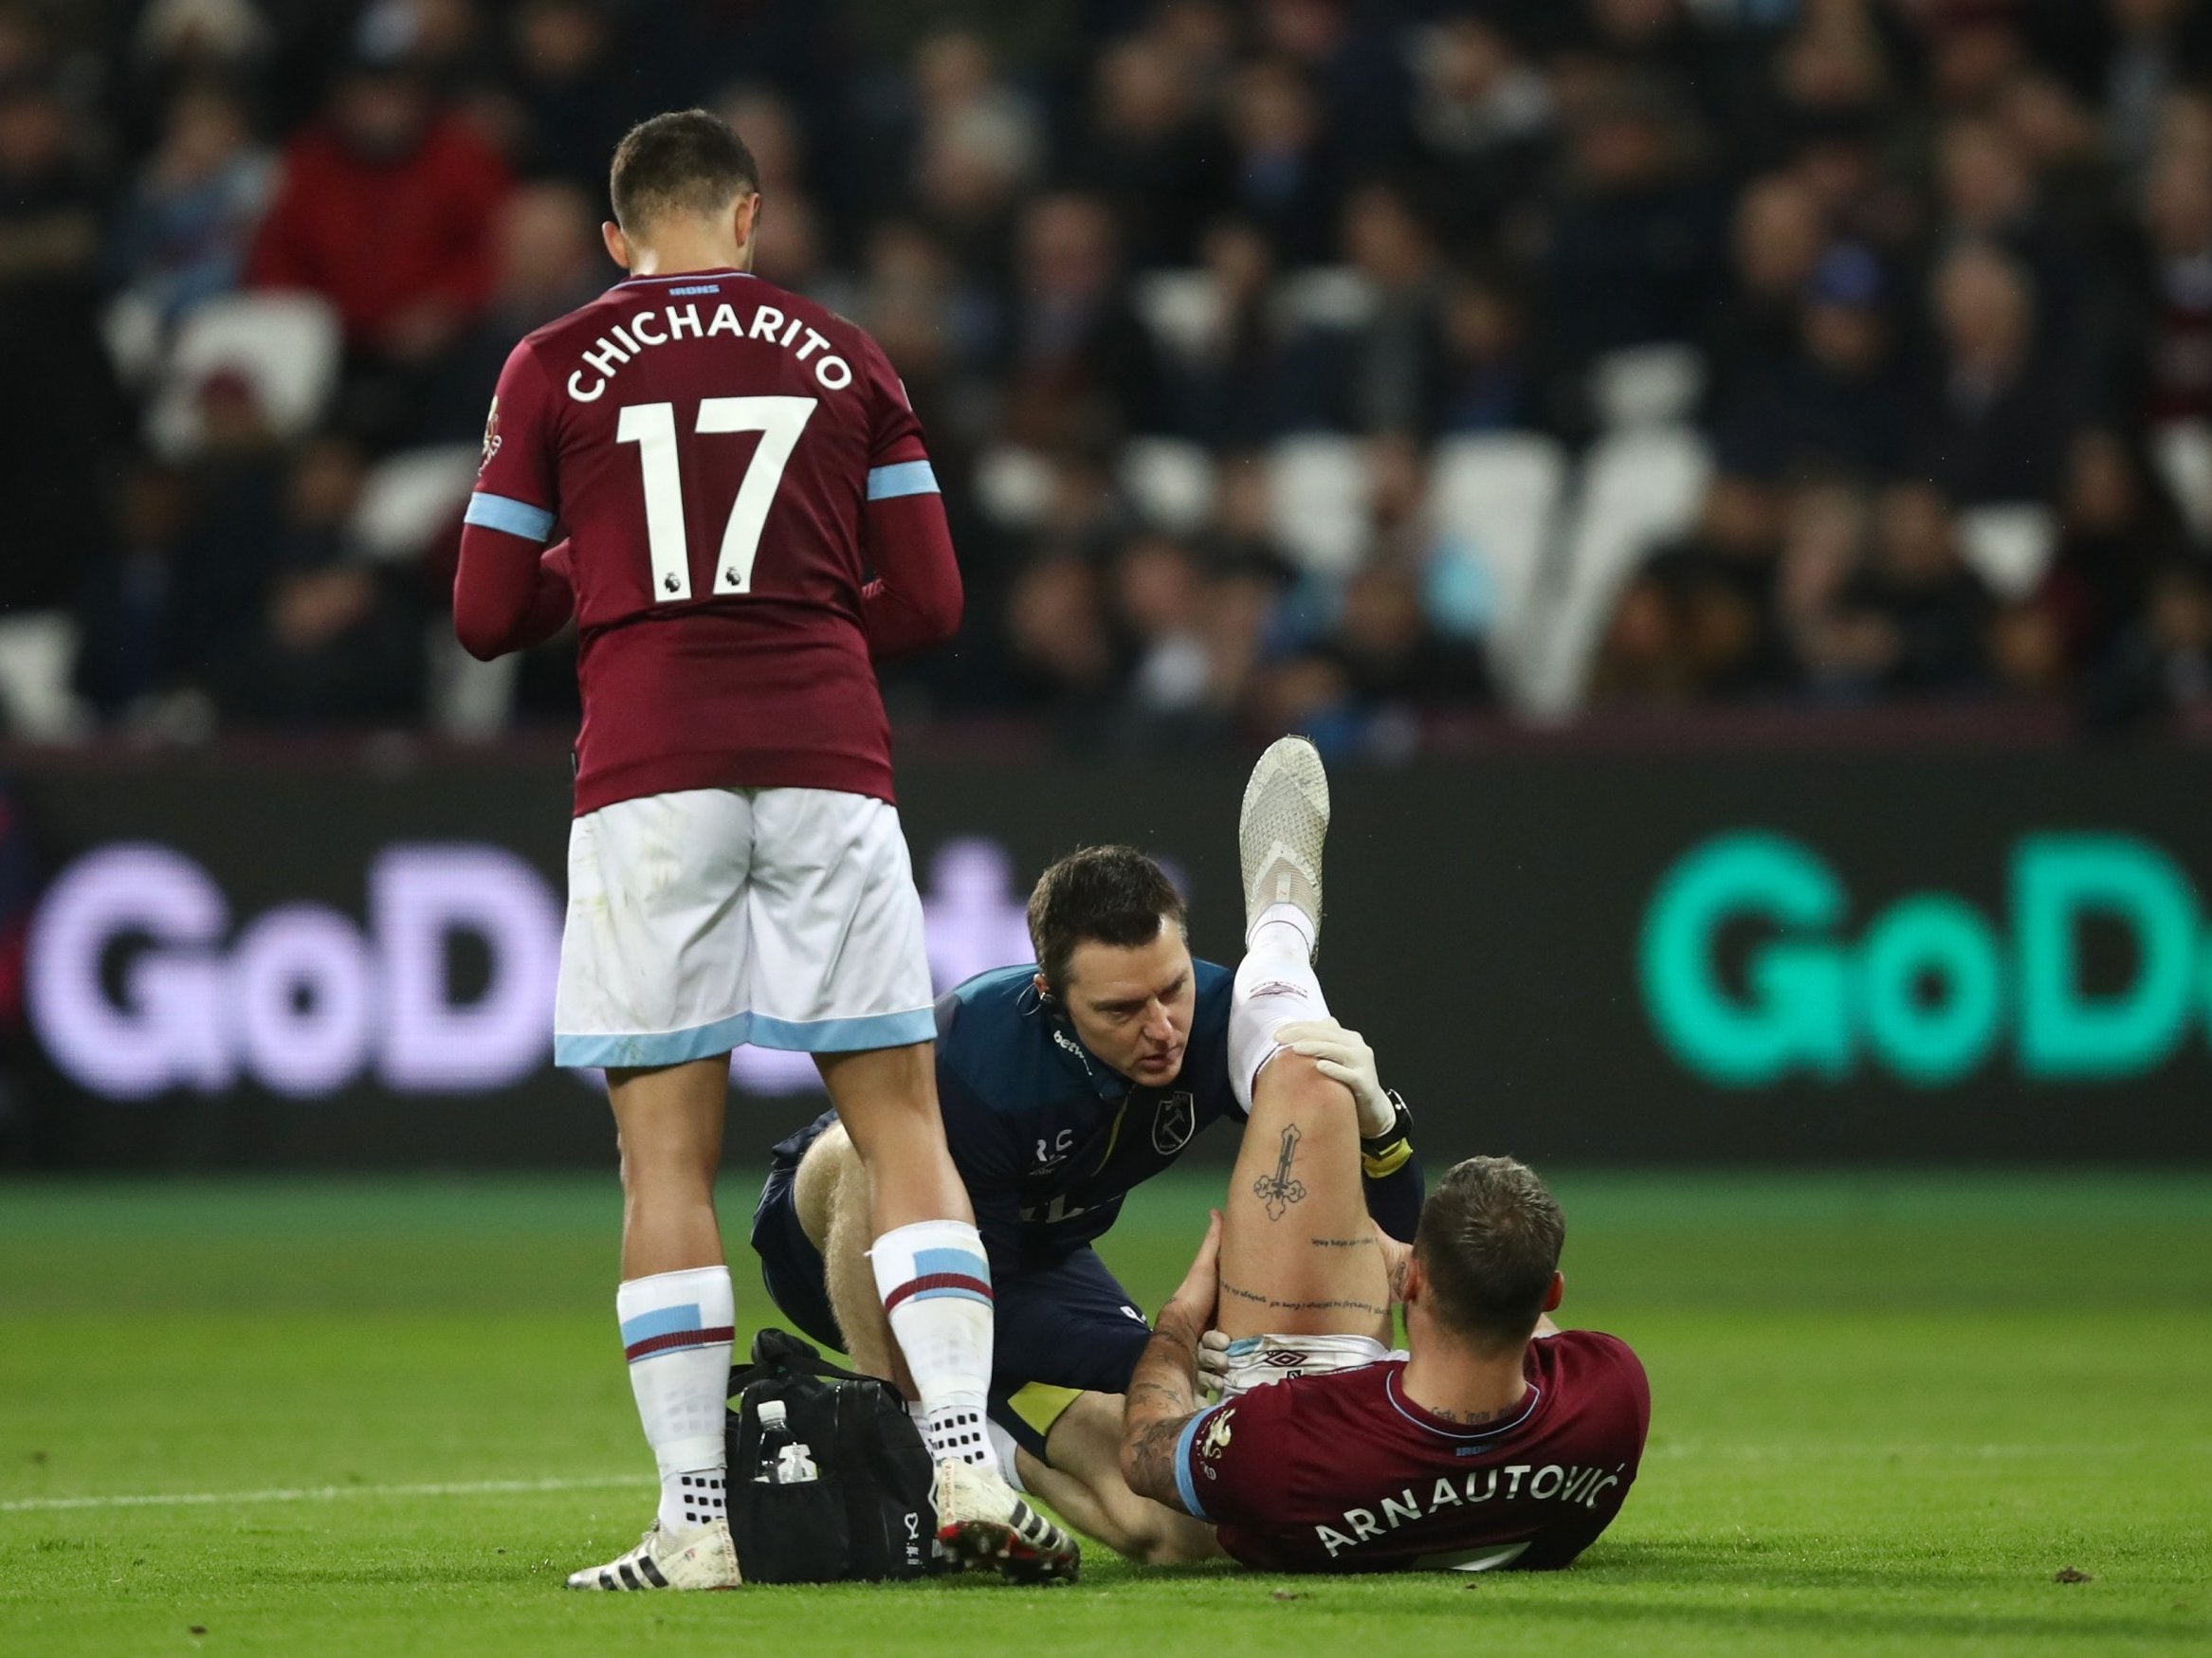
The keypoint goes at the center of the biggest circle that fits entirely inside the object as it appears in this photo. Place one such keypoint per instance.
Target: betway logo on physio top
(1929, 988)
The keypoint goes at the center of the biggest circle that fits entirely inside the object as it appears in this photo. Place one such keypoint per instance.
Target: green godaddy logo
(1932, 988)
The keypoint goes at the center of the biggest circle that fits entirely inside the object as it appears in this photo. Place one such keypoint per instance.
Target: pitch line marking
(1681, 1449)
(321, 1494)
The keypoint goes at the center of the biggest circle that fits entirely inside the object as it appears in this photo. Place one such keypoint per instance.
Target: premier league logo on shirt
(1174, 1122)
(491, 436)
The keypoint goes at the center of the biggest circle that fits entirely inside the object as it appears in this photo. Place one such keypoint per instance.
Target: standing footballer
(751, 520)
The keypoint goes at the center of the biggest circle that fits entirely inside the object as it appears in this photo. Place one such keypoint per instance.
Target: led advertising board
(1730, 956)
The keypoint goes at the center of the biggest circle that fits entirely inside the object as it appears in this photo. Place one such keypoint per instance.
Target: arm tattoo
(1279, 1190)
(1366, 1243)
(1148, 1460)
(1162, 1396)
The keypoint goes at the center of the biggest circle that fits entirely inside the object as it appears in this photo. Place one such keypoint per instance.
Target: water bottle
(775, 1440)
(783, 1460)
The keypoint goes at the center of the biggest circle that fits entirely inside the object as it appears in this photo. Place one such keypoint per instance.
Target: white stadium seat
(1316, 499)
(1014, 486)
(1639, 489)
(469, 699)
(1499, 495)
(1331, 296)
(38, 651)
(1170, 483)
(1647, 385)
(286, 345)
(409, 498)
(1179, 309)
(130, 327)
(2183, 451)
(2009, 545)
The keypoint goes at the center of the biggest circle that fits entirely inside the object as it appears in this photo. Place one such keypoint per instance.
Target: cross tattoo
(1279, 1190)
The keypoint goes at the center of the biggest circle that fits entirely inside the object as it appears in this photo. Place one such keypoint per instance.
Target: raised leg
(1298, 1253)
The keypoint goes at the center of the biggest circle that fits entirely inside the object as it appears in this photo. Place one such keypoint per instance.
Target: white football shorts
(707, 918)
(1256, 1360)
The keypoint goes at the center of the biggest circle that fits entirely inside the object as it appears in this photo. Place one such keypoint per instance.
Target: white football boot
(982, 1523)
(1280, 830)
(700, 1557)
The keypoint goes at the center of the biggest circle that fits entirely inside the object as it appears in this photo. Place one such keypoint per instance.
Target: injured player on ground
(1497, 1439)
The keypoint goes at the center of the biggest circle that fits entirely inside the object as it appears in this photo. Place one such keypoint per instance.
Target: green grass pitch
(1887, 1409)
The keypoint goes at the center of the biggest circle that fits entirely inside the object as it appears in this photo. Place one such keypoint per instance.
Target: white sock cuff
(1261, 938)
(1275, 986)
(941, 1257)
(672, 1312)
(707, 1287)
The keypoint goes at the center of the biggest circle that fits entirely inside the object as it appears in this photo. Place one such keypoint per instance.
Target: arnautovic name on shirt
(1551, 1482)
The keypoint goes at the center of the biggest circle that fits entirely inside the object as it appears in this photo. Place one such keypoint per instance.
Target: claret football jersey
(707, 441)
(1343, 1473)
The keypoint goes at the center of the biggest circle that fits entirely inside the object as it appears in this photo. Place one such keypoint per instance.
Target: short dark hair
(686, 161)
(1489, 1242)
(1100, 895)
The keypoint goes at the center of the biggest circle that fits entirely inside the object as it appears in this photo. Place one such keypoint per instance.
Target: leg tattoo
(1279, 1190)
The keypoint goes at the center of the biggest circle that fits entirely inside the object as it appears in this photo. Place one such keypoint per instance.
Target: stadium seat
(1170, 483)
(1014, 486)
(2183, 453)
(1500, 494)
(1178, 309)
(1326, 297)
(1316, 489)
(407, 499)
(130, 327)
(1639, 489)
(468, 699)
(286, 345)
(1646, 386)
(38, 650)
(2010, 545)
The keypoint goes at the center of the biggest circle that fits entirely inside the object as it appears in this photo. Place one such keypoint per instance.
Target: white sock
(936, 1285)
(1275, 986)
(677, 1332)
(1260, 938)
(1001, 1442)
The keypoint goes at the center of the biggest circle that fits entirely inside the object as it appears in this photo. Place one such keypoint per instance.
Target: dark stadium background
(1612, 429)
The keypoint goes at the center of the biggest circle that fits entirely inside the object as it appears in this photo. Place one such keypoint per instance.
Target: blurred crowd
(1925, 286)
